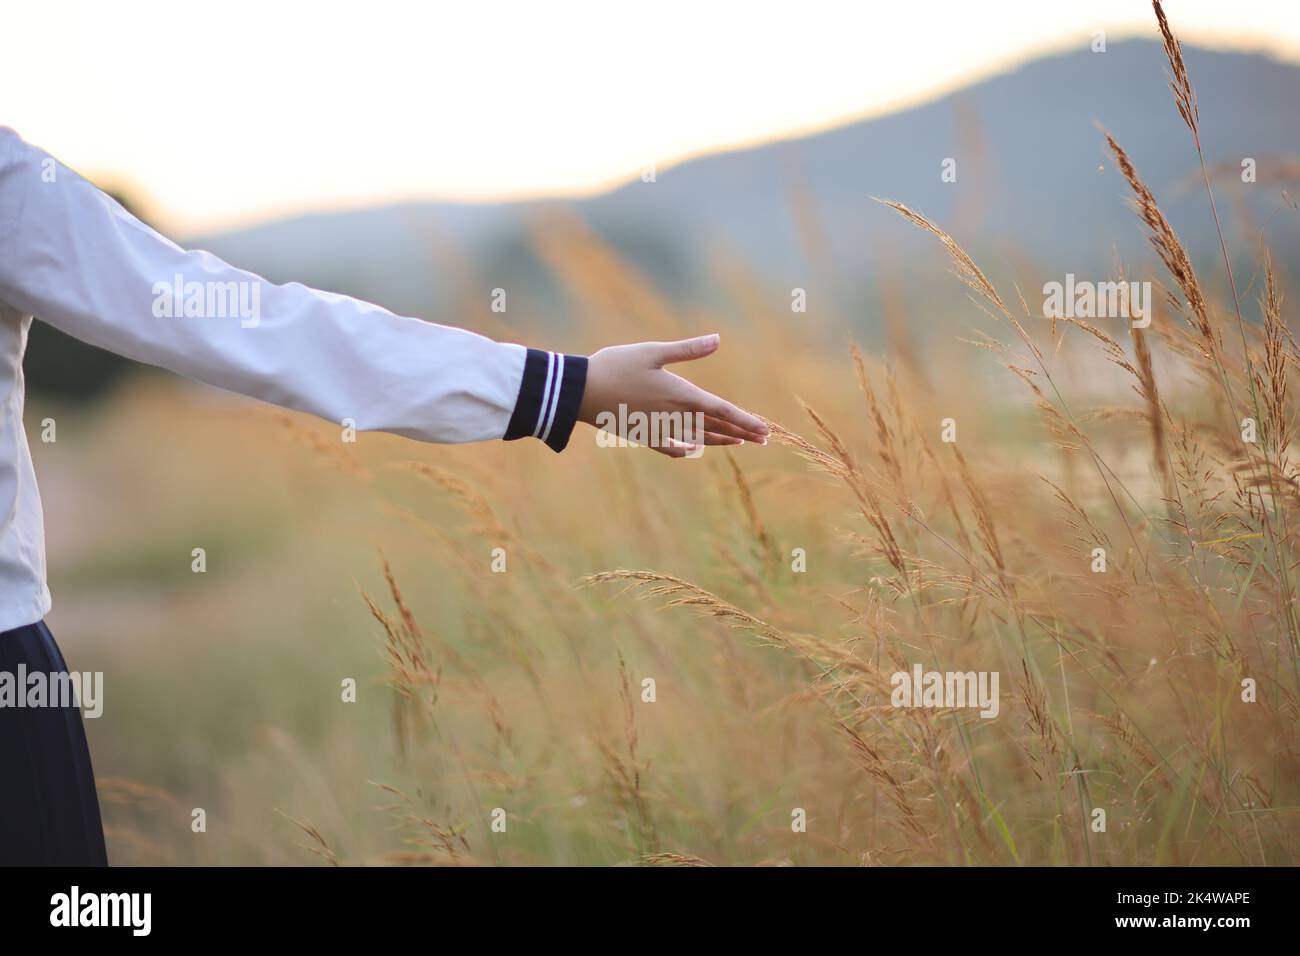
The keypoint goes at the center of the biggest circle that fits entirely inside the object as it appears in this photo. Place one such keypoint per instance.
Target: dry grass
(1122, 689)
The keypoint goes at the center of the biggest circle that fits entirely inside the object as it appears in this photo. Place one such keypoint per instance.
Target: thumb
(688, 349)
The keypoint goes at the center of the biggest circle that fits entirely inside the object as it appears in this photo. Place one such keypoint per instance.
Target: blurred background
(625, 173)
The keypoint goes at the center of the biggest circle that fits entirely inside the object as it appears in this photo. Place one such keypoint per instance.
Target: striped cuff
(549, 397)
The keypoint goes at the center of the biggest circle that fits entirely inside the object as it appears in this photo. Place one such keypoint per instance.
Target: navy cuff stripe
(529, 403)
(568, 401)
(549, 398)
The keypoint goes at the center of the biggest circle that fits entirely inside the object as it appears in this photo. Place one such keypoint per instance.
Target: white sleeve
(72, 257)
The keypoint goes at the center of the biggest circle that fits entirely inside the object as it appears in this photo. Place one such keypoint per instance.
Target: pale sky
(223, 113)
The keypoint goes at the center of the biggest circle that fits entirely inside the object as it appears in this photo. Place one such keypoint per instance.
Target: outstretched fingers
(720, 427)
(743, 424)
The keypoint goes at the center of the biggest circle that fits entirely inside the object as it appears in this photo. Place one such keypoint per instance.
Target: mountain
(1035, 184)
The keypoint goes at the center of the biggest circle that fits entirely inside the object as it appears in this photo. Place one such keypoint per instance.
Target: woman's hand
(628, 383)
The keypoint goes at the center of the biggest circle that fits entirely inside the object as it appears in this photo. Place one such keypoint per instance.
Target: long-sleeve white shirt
(72, 257)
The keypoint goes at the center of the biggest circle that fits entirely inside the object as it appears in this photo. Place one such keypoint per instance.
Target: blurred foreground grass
(522, 692)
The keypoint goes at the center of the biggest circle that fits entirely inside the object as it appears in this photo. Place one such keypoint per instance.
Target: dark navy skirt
(49, 812)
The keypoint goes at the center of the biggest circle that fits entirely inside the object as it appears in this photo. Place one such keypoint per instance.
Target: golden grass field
(1121, 690)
